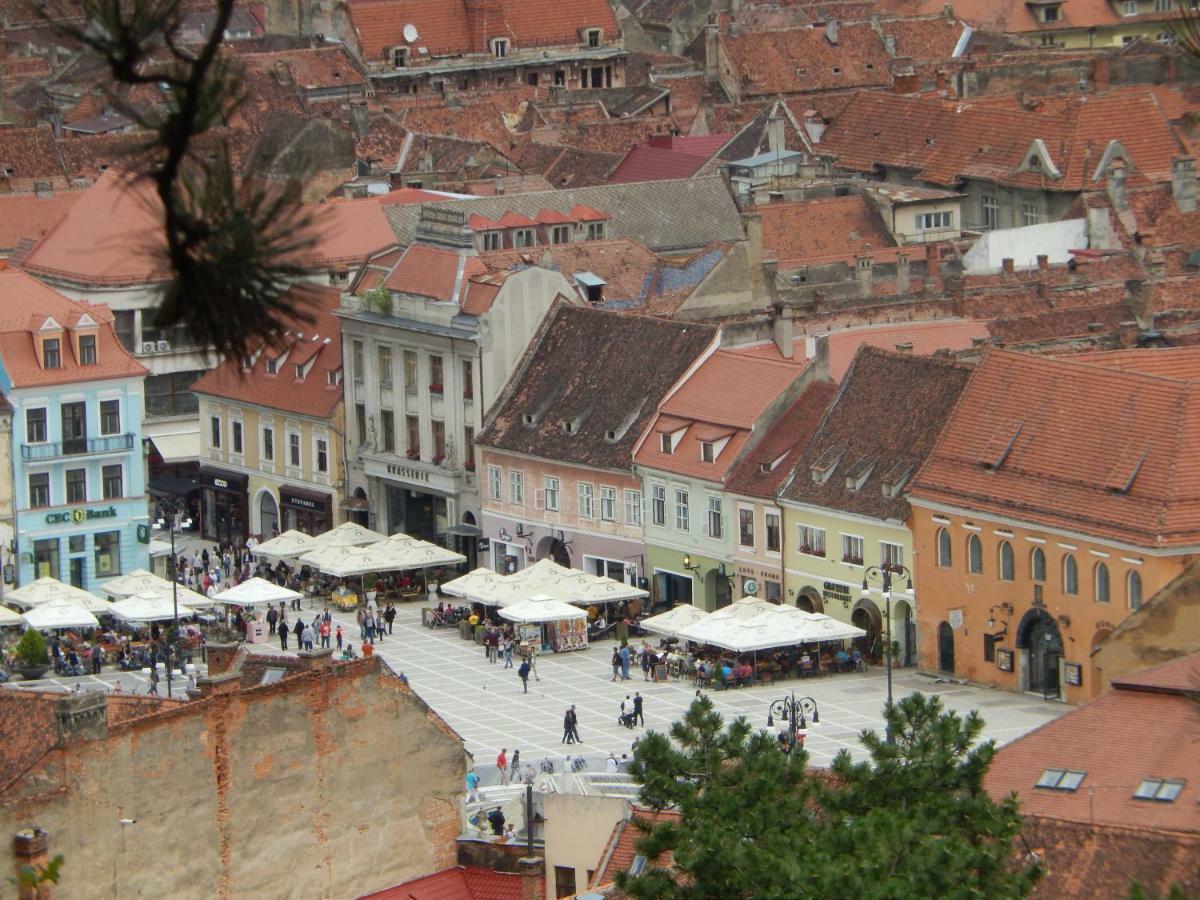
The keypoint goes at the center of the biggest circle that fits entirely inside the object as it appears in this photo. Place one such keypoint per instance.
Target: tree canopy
(911, 820)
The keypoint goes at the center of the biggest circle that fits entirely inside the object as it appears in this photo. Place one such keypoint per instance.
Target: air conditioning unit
(149, 346)
(164, 346)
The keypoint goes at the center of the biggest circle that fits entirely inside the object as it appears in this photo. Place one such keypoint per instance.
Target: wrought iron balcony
(111, 443)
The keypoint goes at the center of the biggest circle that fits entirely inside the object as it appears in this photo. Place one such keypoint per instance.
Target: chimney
(781, 330)
(831, 31)
(1006, 265)
(1140, 301)
(814, 125)
(533, 877)
(220, 657)
(360, 119)
(315, 659)
(1100, 73)
(711, 63)
(941, 82)
(906, 83)
(1043, 261)
(902, 273)
(1116, 185)
(215, 685)
(82, 717)
(31, 851)
(865, 275)
(775, 141)
(1183, 183)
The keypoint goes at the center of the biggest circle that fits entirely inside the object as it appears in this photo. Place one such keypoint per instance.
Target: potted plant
(435, 387)
(439, 459)
(32, 659)
(413, 454)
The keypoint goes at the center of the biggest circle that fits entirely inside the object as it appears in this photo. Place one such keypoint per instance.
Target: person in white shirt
(612, 766)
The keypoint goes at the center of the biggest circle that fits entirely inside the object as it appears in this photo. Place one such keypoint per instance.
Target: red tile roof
(441, 25)
(312, 395)
(624, 265)
(622, 845)
(781, 445)
(461, 883)
(27, 300)
(1073, 445)
(1157, 735)
(348, 231)
(434, 273)
(1181, 363)
(802, 60)
(825, 230)
(1179, 675)
(664, 157)
(27, 217)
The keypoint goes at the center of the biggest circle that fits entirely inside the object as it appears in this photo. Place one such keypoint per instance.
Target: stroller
(626, 719)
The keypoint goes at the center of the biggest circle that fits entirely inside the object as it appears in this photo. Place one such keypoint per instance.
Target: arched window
(1070, 575)
(975, 555)
(943, 548)
(1133, 589)
(1102, 594)
(1007, 568)
(1037, 564)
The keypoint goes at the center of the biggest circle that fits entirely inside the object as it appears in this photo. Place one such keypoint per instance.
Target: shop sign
(835, 590)
(750, 586)
(79, 516)
(302, 502)
(221, 483)
(408, 472)
(1073, 674)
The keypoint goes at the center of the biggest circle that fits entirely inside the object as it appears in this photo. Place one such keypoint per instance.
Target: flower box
(435, 388)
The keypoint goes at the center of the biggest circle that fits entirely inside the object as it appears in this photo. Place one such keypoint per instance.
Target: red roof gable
(433, 272)
(461, 883)
(662, 158)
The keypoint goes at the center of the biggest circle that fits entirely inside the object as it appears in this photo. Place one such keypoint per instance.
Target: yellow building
(271, 433)
(1074, 24)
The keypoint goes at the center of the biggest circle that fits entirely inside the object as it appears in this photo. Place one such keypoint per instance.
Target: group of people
(209, 573)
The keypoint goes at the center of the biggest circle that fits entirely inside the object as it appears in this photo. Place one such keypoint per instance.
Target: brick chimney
(315, 659)
(220, 658)
(533, 877)
(1043, 261)
(31, 848)
(864, 272)
(781, 330)
(215, 685)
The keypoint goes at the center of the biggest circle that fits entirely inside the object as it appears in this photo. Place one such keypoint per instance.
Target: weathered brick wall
(328, 784)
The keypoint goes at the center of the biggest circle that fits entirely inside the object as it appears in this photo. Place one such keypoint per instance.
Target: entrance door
(1045, 649)
(1050, 685)
(77, 571)
(946, 648)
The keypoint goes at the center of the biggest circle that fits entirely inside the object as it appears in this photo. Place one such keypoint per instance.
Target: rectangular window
(412, 429)
(45, 558)
(990, 207)
(658, 504)
(469, 447)
(551, 488)
(360, 423)
(608, 503)
(500, 47)
(108, 553)
(1130, 8)
(410, 371)
(39, 490)
(1164, 5)
(1030, 215)
(560, 234)
(595, 231)
(171, 395)
(585, 500)
(593, 37)
(74, 428)
(35, 426)
(214, 432)
(707, 453)
(357, 360)
(716, 518)
(933, 220)
(123, 323)
(746, 527)
(76, 485)
(110, 416)
(492, 240)
(774, 532)
(294, 449)
(387, 424)
(633, 508)
(1050, 14)
(665, 444)
(852, 549)
(385, 365)
(51, 354)
(114, 482)
(891, 556)
(523, 237)
(468, 380)
(87, 349)
(437, 429)
(268, 444)
(516, 488)
(272, 367)
(322, 455)
(494, 476)
(435, 375)
(811, 540)
(564, 881)
(683, 519)
(236, 432)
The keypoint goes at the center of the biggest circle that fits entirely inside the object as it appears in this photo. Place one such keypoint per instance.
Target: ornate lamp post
(794, 710)
(176, 523)
(884, 575)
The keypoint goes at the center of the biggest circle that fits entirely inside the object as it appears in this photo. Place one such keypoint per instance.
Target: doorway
(904, 632)
(946, 648)
(268, 516)
(1039, 637)
(77, 571)
(671, 589)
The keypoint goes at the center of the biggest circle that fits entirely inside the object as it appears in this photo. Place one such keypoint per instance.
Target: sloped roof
(621, 848)
(433, 272)
(441, 25)
(27, 217)
(825, 229)
(459, 883)
(666, 157)
(577, 371)
(781, 445)
(347, 232)
(800, 60)
(1073, 445)
(685, 214)
(880, 426)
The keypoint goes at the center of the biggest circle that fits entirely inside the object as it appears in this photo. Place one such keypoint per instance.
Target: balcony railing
(113, 443)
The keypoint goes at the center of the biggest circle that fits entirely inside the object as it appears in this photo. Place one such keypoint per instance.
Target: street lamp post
(175, 523)
(793, 709)
(883, 574)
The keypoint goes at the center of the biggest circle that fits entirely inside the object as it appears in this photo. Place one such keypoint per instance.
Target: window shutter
(539, 498)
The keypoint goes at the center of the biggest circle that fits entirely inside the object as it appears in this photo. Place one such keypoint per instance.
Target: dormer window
(299, 372)
(593, 37)
(500, 47)
(400, 57)
(87, 349)
(666, 444)
(333, 377)
(595, 231)
(247, 361)
(492, 240)
(51, 353)
(708, 451)
(272, 366)
(523, 237)
(1050, 14)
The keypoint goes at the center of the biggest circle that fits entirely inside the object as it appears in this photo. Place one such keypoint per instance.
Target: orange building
(1061, 493)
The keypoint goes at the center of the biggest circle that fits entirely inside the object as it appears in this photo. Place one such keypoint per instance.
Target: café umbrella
(134, 582)
(44, 590)
(289, 545)
(148, 606)
(674, 620)
(348, 534)
(256, 592)
(58, 614)
(8, 617)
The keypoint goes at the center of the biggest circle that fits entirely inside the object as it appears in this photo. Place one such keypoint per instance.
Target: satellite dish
(410, 32)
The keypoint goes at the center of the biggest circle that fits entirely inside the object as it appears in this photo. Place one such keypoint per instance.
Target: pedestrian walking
(339, 637)
(389, 616)
(361, 617)
(283, 634)
(472, 787)
(508, 651)
(514, 763)
(523, 672)
(97, 659)
(625, 663)
(324, 634)
(575, 725)
(627, 712)
(298, 633)
(616, 663)
(307, 637)
(637, 708)
(647, 662)
(568, 727)
(272, 618)
(502, 765)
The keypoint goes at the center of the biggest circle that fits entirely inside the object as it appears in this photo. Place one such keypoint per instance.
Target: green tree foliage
(911, 821)
(31, 649)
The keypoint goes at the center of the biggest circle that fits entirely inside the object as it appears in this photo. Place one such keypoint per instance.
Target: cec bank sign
(79, 516)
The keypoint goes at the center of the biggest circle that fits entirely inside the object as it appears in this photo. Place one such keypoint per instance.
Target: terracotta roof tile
(665, 157)
(461, 883)
(1004, 449)
(803, 60)
(25, 217)
(28, 155)
(626, 266)
(349, 231)
(828, 229)
(433, 272)
(622, 845)
(1179, 675)
(781, 445)
(441, 25)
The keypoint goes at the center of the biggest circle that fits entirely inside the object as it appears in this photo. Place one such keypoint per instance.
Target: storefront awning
(175, 445)
(464, 530)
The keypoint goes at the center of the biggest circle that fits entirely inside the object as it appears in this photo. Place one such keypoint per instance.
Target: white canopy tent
(289, 545)
(543, 577)
(55, 614)
(674, 620)
(149, 606)
(9, 618)
(256, 592)
(134, 582)
(541, 608)
(752, 625)
(348, 534)
(397, 553)
(44, 590)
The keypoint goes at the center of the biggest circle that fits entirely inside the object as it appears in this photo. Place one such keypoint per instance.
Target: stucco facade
(758, 539)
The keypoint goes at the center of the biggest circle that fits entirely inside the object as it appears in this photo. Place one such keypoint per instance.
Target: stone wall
(330, 783)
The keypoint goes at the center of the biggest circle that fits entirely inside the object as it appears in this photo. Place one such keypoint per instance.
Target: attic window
(247, 361)
(870, 66)
(666, 444)
(593, 37)
(610, 435)
(568, 427)
(636, 867)
(837, 70)
(708, 452)
(51, 354)
(825, 464)
(500, 47)
(272, 367)
(800, 73)
(9, 172)
(1164, 790)
(299, 371)
(87, 349)
(333, 377)
(1061, 779)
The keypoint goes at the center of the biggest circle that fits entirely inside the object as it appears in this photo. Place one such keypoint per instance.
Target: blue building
(79, 478)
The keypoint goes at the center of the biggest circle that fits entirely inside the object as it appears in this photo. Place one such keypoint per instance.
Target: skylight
(1163, 789)
(1061, 779)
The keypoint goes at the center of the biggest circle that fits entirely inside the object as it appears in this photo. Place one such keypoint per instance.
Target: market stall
(548, 623)
(256, 595)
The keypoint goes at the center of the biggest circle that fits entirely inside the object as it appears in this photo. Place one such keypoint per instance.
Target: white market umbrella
(401, 552)
(55, 614)
(289, 545)
(146, 607)
(541, 608)
(8, 617)
(134, 582)
(341, 560)
(348, 534)
(256, 592)
(674, 620)
(46, 589)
